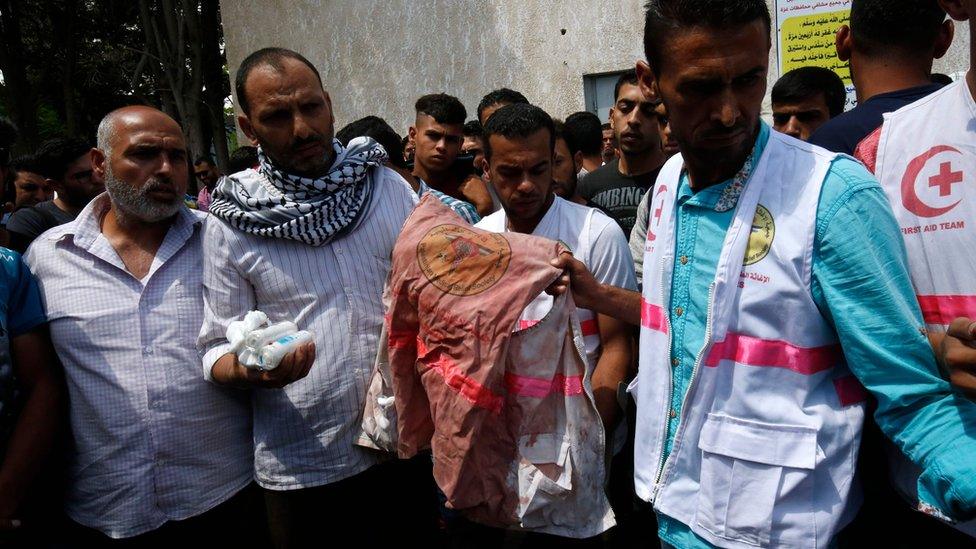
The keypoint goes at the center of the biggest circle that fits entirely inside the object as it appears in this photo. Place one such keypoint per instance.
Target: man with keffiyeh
(307, 236)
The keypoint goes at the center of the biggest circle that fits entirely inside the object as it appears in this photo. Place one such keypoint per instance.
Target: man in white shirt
(307, 237)
(159, 455)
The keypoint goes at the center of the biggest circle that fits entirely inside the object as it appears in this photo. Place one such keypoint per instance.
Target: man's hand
(294, 366)
(957, 354)
(575, 277)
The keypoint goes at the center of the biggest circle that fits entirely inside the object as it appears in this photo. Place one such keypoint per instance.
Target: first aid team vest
(766, 447)
(928, 171)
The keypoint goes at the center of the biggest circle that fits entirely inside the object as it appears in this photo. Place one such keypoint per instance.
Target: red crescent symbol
(651, 237)
(909, 198)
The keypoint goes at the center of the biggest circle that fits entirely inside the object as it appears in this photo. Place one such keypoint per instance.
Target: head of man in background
(437, 133)
(563, 166)
(586, 132)
(67, 166)
(634, 125)
(668, 144)
(891, 46)
(286, 112)
(494, 100)
(474, 144)
(27, 185)
(519, 143)
(206, 172)
(609, 151)
(805, 99)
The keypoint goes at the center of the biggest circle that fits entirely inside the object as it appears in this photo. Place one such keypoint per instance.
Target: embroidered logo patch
(462, 262)
(761, 237)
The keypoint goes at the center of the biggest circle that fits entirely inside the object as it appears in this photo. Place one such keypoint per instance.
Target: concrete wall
(378, 56)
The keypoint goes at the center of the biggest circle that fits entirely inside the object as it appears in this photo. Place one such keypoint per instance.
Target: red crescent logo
(656, 218)
(910, 199)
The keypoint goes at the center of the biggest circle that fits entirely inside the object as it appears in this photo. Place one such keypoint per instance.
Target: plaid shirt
(153, 440)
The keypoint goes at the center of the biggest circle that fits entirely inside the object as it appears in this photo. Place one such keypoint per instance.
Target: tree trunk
(21, 97)
(214, 79)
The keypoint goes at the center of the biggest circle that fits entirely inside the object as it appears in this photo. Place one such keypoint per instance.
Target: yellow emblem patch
(761, 237)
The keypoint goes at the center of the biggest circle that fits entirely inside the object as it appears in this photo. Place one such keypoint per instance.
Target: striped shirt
(152, 440)
(460, 207)
(303, 433)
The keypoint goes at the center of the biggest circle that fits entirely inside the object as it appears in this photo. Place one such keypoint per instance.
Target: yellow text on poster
(808, 40)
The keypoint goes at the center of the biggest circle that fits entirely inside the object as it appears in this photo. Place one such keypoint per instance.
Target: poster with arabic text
(805, 36)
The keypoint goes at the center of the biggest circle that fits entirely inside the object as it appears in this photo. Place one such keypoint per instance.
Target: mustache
(723, 131)
(158, 184)
(310, 140)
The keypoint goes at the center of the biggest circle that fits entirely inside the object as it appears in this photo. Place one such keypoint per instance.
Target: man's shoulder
(26, 219)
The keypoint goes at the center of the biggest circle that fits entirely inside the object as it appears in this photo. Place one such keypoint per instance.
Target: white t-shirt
(596, 240)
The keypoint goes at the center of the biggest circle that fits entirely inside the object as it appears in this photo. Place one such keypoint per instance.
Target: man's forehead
(707, 53)
(163, 137)
(427, 122)
(268, 83)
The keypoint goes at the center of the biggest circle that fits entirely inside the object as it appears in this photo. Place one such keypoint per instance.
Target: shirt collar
(731, 189)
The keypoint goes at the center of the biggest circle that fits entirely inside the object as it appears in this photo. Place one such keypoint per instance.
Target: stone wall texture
(378, 56)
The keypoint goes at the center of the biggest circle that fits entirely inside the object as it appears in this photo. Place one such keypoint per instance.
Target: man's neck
(527, 226)
(706, 171)
(640, 164)
(591, 163)
(444, 181)
(66, 207)
(876, 76)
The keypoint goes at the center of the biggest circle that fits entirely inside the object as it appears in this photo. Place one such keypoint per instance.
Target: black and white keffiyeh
(272, 203)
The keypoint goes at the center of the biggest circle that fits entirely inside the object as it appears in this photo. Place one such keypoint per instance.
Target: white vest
(770, 426)
(927, 166)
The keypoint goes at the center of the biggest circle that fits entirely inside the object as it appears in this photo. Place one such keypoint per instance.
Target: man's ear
(244, 123)
(578, 161)
(647, 82)
(412, 134)
(98, 161)
(946, 32)
(844, 42)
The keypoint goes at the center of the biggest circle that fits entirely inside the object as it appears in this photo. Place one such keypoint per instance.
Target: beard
(137, 203)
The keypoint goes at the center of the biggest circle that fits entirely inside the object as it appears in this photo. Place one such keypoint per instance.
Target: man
(496, 99)
(474, 144)
(437, 135)
(564, 169)
(519, 149)
(926, 163)
(805, 99)
(584, 126)
(30, 397)
(308, 237)
(890, 45)
(243, 158)
(617, 188)
(159, 454)
(609, 150)
(760, 288)
(29, 187)
(668, 144)
(378, 130)
(66, 165)
(207, 173)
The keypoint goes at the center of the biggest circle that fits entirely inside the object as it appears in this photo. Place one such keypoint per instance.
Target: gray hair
(107, 132)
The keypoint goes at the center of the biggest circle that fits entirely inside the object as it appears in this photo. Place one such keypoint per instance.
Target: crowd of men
(778, 320)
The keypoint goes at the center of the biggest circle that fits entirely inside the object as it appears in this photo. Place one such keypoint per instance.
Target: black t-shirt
(843, 133)
(617, 195)
(26, 224)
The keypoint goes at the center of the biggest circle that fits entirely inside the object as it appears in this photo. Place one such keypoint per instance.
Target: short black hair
(501, 96)
(265, 56)
(587, 132)
(806, 82)
(882, 28)
(605, 126)
(445, 109)
(626, 77)
(559, 131)
(473, 128)
(379, 130)
(25, 163)
(518, 120)
(664, 17)
(204, 158)
(55, 155)
(242, 158)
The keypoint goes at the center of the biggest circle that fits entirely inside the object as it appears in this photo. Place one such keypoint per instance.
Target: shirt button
(679, 311)
(684, 260)
(673, 414)
(675, 361)
(147, 350)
